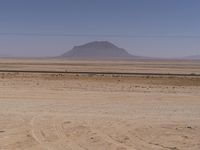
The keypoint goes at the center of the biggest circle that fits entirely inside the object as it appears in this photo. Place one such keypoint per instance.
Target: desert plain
(63, 111)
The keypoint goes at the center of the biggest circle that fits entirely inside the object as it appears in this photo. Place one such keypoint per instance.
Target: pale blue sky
(166, 28)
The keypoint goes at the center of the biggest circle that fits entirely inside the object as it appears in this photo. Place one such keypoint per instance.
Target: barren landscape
(63, 111)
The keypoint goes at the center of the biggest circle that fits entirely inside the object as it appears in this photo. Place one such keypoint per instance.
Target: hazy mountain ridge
(193, 57)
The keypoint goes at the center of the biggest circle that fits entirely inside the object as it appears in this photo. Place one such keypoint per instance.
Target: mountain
(97, 50)
(193, 57)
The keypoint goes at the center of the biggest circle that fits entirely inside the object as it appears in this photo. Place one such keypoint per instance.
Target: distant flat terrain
(45, 111)
(136, 66)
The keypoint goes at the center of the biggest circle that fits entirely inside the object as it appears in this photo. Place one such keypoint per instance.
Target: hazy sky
(167, 28)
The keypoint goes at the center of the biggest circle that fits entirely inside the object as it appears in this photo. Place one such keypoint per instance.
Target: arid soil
(99, 112)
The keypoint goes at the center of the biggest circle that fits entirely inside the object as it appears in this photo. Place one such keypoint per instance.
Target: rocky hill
(97, 50)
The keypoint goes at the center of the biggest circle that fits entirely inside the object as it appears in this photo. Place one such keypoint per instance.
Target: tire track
(103, 137)
(38, 136)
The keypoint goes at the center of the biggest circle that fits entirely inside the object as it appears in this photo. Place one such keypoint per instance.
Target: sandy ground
(73, 112)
